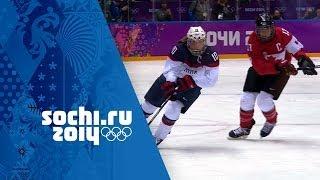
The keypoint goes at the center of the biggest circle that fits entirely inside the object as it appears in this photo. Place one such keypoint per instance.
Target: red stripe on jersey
(196, 65)
(213, 64)
(299, 54)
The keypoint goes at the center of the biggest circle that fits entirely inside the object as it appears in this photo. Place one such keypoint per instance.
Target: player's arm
(296, 49)
(172, 67)
(211, 72)
(209, 79)
(293, 46)
(171, 71)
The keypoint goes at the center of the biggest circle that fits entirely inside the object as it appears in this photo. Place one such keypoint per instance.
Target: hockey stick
(161, 107)
(306, 68)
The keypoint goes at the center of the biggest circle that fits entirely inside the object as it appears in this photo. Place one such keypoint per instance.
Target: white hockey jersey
(203, 69)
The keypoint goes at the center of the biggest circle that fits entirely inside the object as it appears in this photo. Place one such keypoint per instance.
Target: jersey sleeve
(253, 51)
(284, 35)
(210, 74)
(293, 46)
(173, 64)
(177, 53)
(171, 70)
(213, 58)
(209, 79)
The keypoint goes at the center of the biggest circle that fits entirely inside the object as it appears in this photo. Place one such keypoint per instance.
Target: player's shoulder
(210, 57)
(283, 35)
(253, 38)
(182, 47)
(179, 52)
(281, 30)
(210, 50)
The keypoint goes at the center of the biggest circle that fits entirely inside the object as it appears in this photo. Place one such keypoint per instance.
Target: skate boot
(266, 129)
(158, 140)
(240, 133)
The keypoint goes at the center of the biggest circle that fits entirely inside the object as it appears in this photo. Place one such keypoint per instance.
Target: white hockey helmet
(196, 33)
(196, 40)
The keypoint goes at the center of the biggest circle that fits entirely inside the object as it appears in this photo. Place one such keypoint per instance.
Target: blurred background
(148, 29)
(206, 10)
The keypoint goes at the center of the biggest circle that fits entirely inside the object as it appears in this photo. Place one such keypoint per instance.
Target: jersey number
(215, 56)
(174, 49)
(249, 47)
(285, 32)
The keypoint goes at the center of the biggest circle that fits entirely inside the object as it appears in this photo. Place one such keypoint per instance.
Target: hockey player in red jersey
(191, 66)
(270, 49)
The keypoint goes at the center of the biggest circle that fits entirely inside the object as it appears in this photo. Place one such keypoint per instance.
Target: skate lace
(267, 127)
(239, 131)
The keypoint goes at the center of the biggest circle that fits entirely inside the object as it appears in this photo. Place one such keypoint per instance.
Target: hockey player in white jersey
(190, 66)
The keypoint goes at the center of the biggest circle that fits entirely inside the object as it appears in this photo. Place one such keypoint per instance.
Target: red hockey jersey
(265, 56)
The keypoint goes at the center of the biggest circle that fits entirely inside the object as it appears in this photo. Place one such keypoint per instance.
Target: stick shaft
(158, 111)
(317, 66)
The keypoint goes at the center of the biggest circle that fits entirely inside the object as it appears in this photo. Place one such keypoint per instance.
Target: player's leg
(181, 102)
(247, 103)
(147, 108)
(154, 97)
(169, 118)
(265, 100)
(267, 106)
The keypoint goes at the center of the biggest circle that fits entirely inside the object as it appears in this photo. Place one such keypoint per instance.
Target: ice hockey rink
(198, 148)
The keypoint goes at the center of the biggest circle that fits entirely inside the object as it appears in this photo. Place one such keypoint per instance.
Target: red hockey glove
(287, 67)
(185, 83)
(168, 88)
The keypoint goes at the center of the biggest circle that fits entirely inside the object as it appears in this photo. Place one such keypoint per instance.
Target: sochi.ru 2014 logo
(83, 125)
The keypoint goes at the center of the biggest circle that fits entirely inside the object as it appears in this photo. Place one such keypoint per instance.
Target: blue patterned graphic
(59, 55)
(78, 43)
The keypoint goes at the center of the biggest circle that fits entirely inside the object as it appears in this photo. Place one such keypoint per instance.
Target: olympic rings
(116, 133)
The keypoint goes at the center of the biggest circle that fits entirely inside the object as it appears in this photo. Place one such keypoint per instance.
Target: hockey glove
(286, 67)
(184, 87)
(308, 67)
(168, 88)
(185, 83)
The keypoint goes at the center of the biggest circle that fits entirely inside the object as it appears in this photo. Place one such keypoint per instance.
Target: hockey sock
(271, 116)
(246, 119)
(148, 108)
(164, 128)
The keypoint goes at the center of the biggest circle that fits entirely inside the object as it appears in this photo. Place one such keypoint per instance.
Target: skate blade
(263, 137)
(159, 142)
(239, 138)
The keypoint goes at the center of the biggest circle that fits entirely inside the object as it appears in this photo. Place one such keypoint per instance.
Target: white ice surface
(197, 148)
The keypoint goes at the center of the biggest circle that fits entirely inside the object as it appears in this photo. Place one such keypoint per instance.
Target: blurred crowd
(197, 10)
(312, 13)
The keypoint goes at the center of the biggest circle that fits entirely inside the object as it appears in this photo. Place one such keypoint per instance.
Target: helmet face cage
(265, 33)
(196, 47)
(265, 27)
(196, 40)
